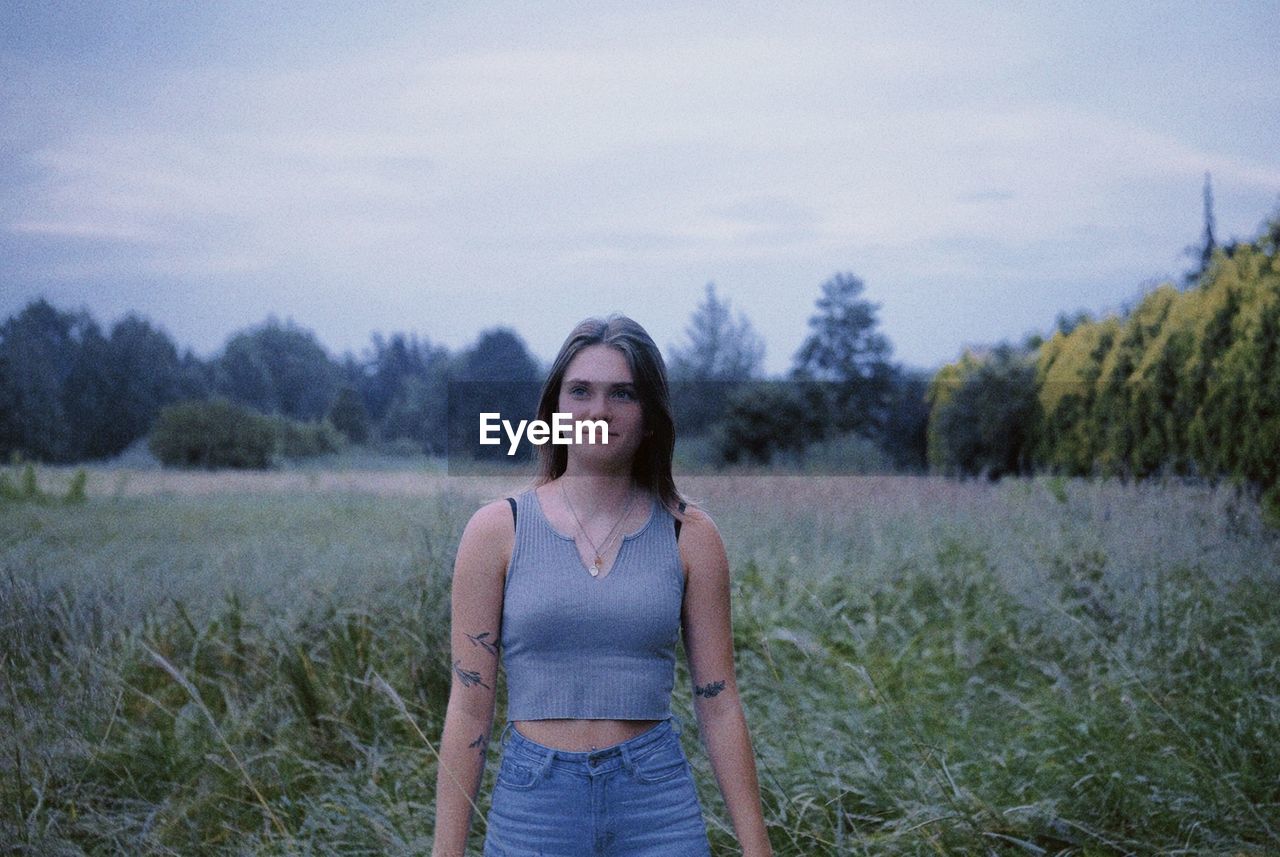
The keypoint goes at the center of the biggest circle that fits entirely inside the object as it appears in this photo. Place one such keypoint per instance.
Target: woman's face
(597, 385)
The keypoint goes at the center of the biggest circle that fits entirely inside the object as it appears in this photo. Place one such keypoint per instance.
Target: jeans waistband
(514, 742)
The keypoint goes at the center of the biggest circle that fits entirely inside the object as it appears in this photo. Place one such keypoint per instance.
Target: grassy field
(257, 664)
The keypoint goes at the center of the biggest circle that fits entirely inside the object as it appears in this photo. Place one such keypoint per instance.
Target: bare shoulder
(488, 538)
(700, 541)
(492, 519)
(696, 518)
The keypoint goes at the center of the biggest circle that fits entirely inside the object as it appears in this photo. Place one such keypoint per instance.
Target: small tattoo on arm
(469, 677)
(481, 743)
(709, 689)
(479, 640)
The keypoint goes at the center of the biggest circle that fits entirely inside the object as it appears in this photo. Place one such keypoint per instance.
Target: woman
(580, 586)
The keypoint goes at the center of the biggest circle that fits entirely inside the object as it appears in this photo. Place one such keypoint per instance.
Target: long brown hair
(651, 467)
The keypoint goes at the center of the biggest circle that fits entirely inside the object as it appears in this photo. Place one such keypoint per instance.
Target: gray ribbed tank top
(576, 646)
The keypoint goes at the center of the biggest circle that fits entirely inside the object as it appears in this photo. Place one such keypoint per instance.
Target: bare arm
(476, 617)
(708, 642)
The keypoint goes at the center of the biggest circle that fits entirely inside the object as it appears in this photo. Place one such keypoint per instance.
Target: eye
(577, 391)
(628, 395)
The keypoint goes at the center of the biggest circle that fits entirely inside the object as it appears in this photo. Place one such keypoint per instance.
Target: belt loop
(626, 757)
(544, 764)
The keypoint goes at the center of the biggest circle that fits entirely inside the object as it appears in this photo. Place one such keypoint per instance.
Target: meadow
(258, 664)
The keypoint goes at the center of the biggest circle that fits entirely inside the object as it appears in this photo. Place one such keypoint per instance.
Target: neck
(597, 473)
(599, 489)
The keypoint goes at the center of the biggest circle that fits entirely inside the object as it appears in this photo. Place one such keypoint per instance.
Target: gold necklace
(594, 568)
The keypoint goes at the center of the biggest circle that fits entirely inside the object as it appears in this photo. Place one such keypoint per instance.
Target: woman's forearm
(728, 744)
(463, 748)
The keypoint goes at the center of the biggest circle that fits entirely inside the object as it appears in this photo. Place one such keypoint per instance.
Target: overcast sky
(441, 168)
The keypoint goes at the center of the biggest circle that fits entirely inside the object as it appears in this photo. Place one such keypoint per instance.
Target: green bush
(214, 433)
(983, 414)
(221, 433)
(1183, 384)
(306, 439)
(348, 415)
(765, 419)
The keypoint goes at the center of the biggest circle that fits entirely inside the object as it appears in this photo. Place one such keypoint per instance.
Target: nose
(599, 408)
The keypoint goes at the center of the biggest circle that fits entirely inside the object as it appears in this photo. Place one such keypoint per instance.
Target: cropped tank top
(583, 647)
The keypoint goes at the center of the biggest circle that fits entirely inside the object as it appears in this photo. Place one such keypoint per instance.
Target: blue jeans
(634, 799)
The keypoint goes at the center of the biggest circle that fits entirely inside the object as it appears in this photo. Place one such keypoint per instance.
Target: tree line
(70, 391)
(842, 384)
(1185, 383)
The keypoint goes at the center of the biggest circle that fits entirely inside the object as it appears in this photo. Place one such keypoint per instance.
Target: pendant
(595, 568)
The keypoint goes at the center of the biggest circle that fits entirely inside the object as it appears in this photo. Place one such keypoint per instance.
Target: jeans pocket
(519, 774)
(661, 763)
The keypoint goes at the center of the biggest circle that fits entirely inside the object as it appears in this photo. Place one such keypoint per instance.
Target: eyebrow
(586, 383)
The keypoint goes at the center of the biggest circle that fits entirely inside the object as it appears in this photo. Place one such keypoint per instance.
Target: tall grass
(927, 667)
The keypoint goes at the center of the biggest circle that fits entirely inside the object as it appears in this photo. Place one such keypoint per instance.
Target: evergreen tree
(404, 384)
(719, 354)
(848, 357)
(717, 346)
(1208, 243)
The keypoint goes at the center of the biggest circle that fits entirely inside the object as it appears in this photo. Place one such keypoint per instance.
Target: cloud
(550, 150)
(640, 141)
(992, 195)
(89, 230)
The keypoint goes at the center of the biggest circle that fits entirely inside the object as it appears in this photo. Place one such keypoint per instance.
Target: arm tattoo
(710, 689)
(479, 640)
(481, 742)
(469, 677)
